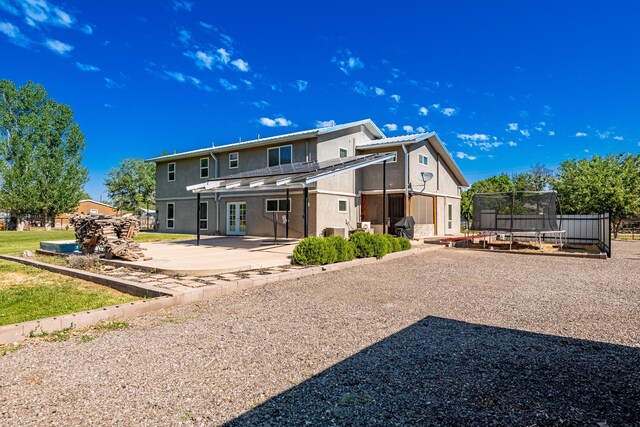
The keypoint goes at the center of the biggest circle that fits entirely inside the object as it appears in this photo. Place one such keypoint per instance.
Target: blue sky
(505, 84)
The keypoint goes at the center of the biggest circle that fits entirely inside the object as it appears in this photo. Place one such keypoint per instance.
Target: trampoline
(520, 214)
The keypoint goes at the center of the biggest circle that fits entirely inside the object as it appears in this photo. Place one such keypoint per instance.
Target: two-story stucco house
(310, 182)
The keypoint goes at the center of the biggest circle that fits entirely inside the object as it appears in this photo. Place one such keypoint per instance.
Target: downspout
(406, 179)
(217, 195)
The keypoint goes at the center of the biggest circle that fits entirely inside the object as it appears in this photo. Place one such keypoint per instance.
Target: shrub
(345, 249)
(381, 245)
(85, 262)
(405, 244)
(363, 243)
(394, 242)
(314, 251)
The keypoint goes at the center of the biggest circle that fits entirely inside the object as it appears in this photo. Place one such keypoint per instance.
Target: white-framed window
(423, 159)
(93, 211)
(204, 167)
(234, 160)
(342, 205)
(171, 212)
(342, 152)
(203, 215)
(277, 205)
(171, 172)
(449, 216)
(282, 155)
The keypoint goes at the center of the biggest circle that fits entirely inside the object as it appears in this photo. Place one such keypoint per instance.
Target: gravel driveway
(451, 337)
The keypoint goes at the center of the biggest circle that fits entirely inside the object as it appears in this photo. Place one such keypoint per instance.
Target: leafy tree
(537, 178)
(600, 185)
(41, 148)
(494, 184)
(132, 185)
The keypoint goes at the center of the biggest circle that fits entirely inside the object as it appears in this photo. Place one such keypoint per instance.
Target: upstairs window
(279, 155)
(343, 152)
(171, 172)
(233, 160)
(204, 167)
(423, 159)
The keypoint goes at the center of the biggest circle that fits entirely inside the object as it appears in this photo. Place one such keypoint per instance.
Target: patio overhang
(294, 175)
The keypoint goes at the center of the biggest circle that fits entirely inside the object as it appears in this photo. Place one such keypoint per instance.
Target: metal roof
(415, 137)
(298, 175)
(271, 140)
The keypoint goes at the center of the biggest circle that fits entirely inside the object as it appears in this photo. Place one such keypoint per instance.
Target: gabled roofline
(436, 143)
(96, 202)
(368, 123)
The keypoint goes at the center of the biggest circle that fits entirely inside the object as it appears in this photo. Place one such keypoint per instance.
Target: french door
(236, 218)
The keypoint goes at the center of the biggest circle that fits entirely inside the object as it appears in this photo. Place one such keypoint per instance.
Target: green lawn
(28, 293)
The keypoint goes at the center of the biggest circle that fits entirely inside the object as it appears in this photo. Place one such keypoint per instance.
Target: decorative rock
(27, 254)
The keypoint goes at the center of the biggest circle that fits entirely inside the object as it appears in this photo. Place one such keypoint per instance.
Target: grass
(162, 237)
(28, 293)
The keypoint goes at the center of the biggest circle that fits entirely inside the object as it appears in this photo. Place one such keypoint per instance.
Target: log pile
(113, 234)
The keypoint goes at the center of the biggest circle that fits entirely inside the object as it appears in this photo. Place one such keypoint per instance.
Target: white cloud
(182, 5)
(436, 106)
(224, 56)
(407, 128)
(205, 25)
(525, 132)
(15, 35)
(474, 137)
(240, 64)
(301, 85)
(420, 129)
(618, 138)
(462, 155)
(184, 36)
(538, 128)
(325, 123)
(486, 146)
(87, 29)
(87, 67)
(391, 127)
(512, 126)
(58, 47)
(603, 135)
(347, 62)
(249, 83)
(111, 84)
(395, 97)
(423, 111)
(512, 143)
(448, 111)
(226, 84)
(579, 134)
(276, 122)
(552, 133)
(260, 104)
(176, 75)
(378, 91)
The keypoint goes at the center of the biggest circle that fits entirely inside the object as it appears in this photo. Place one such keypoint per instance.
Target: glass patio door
(236, 218)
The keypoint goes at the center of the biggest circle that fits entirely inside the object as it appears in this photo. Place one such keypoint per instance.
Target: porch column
(197, 219)
(306, 211)
(384, 197)
(286, 228)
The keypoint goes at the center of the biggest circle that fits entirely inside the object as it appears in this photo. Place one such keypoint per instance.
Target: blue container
(60, 246)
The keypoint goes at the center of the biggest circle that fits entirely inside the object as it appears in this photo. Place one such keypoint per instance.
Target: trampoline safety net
(530, 211)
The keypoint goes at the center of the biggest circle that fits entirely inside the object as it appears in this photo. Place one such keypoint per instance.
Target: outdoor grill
(404, 227)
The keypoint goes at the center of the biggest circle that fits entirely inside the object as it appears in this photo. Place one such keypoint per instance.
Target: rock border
(10, 334)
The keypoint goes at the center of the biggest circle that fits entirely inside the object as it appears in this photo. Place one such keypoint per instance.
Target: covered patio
(284, 178)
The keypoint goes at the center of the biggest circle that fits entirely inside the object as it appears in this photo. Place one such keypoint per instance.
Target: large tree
(41, 148)
(608, 184)
(537, 178)
(131, 186)
(494, 184)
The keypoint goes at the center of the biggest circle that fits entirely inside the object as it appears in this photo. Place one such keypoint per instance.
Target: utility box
(335, 231)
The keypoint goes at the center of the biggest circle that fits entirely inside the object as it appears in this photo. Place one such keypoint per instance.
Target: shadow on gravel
(445, 372)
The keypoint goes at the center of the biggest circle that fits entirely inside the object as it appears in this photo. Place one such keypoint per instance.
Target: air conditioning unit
(366, 225)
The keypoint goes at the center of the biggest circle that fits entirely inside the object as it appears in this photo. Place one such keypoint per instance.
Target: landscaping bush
(363, 243)
(405, 244)
(345, 249)
(396, 246)
(381, 245)
(314, 251)
(85, 262)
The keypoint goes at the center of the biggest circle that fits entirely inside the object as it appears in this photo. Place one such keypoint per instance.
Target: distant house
(86, 206)
(315, 181)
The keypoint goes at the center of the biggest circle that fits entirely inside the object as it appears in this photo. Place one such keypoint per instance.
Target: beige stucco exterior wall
(329, 216)
(370, 178)
(443, 181)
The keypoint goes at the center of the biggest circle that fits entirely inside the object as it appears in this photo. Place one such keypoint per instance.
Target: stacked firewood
(113, 234)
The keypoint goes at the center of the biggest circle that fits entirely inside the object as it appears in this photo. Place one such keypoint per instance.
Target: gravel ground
(451, 337)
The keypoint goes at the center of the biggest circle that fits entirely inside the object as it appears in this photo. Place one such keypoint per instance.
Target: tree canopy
(41, 147)
(608, 184)
(131, 186)
(494, 184)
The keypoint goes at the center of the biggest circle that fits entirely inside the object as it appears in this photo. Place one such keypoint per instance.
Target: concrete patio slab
(215, 255)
